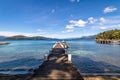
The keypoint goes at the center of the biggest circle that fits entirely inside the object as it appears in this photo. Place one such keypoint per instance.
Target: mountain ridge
(22, 37)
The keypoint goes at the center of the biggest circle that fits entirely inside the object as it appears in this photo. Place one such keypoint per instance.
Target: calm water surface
(88, 56)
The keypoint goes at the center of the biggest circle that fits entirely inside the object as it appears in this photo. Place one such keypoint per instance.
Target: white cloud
(79, 23)
(39, 32)
(74, 23)
(69, 30)
(92, 20)
(74, 0)
(109, 9)
(97, 21)
(102, 20)
(69, 26)
(103, 27)
(109, 20)
(107, 27)
(110, 27)
(113, 20)
(10, 33)
(107, 23)
(99, 27)
(116, 26)
(103, 23)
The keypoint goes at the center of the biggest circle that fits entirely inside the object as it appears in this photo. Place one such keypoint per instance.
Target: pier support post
(65, 51)
(69, 57)
(46, 57)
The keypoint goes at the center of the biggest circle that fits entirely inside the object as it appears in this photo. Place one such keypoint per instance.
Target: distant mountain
(21, 37)
(2, 37)
(88, 37)
(92, 37)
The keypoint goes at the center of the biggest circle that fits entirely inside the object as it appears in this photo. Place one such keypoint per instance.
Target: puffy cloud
(97, 21)
(69, 26)
(109, 9)
(92, 20)
(79, 23)
(103, 23)
(107, 23)
(74, 23)
(102, 20)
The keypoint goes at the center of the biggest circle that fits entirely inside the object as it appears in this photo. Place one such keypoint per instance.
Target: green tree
(109, 35)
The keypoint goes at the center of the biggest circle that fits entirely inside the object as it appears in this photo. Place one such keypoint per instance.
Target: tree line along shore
(109, 37)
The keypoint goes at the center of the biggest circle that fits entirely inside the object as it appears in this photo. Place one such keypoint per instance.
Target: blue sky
(58, 18)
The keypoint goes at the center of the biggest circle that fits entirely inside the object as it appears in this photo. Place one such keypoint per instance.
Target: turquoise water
(88, 56)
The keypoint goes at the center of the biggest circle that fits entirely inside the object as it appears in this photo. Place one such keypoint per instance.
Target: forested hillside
(109, 35)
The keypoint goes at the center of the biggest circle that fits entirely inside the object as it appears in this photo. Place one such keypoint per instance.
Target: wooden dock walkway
(57, 67)
(4, 43)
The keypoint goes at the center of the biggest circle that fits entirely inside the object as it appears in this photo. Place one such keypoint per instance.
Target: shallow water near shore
(88, 56)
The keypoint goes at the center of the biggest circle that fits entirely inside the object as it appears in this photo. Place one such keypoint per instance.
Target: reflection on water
(88, 56)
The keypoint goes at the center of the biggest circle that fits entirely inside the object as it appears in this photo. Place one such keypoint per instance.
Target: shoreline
(86, 77)
(30, 71)
(100, 77)
(102, 41)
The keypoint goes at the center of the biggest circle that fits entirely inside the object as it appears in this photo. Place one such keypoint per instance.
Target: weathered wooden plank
(57, 67)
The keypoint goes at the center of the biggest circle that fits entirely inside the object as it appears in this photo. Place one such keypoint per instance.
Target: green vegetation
(109, 35)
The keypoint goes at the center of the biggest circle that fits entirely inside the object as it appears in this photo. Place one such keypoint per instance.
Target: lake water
(88, 56)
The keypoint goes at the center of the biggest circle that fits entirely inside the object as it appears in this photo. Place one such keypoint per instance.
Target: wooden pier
(57, 66)
(117, 42)
(4, 43)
